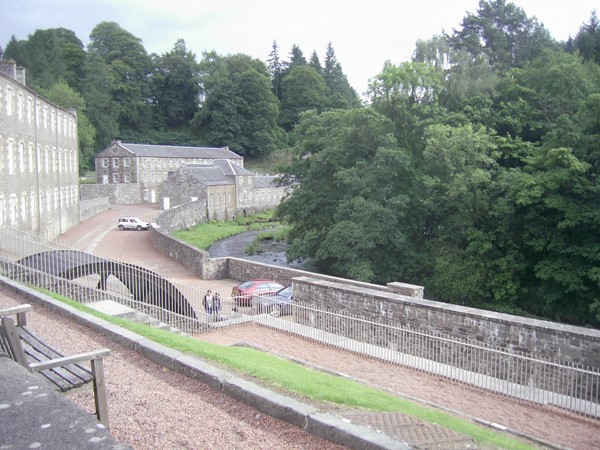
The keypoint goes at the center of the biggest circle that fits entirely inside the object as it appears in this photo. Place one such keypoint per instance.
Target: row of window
(221, 199)
(46, 116)
(25, 207)
(116, 162)
(16, 157)
(225, 198)
(260, 196)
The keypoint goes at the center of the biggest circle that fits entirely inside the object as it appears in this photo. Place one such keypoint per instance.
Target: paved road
(100, 236)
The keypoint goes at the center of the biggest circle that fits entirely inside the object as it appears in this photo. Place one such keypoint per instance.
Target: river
(269, 251)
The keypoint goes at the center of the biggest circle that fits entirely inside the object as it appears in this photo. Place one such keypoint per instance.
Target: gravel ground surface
(154, 408)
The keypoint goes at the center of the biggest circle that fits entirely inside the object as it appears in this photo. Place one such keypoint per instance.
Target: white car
(132, 223)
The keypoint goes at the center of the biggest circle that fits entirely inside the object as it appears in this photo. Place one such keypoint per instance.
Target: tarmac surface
(100, 236)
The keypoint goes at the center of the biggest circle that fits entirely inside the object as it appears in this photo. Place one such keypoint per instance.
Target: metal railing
(58, 268)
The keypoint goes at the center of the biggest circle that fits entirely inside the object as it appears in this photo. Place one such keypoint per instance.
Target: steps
(114, 309)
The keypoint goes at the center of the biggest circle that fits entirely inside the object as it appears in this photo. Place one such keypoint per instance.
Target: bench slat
(65, 377)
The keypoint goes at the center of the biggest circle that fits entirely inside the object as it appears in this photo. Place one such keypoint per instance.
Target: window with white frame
(9, 105)
(41, 202)
(59, 123)
(116, 178)
(32, 207)
(55, 197)
(21, 157)
(126, 178)
(23, 206)
(104, 162)
(115, 162)
(53, 159)
(126, 162)
(30, 157)
(48, 200)
(20, 106)
(29, 109)
(52, 120)
(45, 117)
(10, 156)
(12, 208)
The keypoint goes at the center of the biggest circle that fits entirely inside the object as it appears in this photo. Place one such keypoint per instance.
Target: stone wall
(182, 217)
(93, 207)
(117, 194)
(198, 261)
(529, 336)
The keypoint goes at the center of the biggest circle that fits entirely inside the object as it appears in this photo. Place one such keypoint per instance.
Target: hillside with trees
(472, 169)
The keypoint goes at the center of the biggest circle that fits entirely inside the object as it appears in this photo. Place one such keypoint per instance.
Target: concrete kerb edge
(351, 435)
(269, 402)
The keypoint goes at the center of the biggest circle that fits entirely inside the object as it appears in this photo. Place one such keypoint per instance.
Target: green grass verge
(287, 376)
(204, 234)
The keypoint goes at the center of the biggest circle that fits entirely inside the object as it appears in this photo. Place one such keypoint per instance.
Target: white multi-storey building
(39, 159)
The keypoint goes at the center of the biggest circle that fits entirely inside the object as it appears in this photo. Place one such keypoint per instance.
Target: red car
(243, 293)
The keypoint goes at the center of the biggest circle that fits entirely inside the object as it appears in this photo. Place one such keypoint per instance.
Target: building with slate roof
(149, 165)
(224, 188)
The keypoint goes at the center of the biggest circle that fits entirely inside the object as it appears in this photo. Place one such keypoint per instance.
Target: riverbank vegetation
(205, 234)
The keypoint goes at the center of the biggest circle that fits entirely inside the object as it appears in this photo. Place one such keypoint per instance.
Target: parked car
(244, 292)
(278, 304)
(132, 223)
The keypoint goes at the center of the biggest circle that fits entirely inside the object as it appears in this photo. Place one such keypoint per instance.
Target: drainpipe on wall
(37, 167)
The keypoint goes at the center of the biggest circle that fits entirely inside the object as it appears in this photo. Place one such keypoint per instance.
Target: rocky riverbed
(269, 251)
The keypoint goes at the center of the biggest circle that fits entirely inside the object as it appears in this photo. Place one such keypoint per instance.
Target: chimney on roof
(9, 67)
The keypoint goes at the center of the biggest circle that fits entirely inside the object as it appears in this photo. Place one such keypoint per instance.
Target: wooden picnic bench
(65, 373)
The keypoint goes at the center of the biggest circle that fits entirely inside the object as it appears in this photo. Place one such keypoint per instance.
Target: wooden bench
(65, 373)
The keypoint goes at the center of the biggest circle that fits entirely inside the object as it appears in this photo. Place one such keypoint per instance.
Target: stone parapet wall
(91, 208)
(182, 217)
(514, 333)
(198, 261)
(117, 194)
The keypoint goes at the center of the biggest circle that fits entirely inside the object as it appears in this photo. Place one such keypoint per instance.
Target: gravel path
(154, 408)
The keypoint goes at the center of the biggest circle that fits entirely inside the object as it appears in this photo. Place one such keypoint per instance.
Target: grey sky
(364, 34)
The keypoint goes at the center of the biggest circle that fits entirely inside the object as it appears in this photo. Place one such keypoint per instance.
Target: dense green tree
(49, 56)
(175, 86)
(130, 67)
(239, 108)
(98, 90)
(296, 58)
(503, 32)
(302, 89)
(315, 63)
(341, 94)
(276, 69)
(554, 86)
(587, 41)
(408, 94)
(349, 171)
